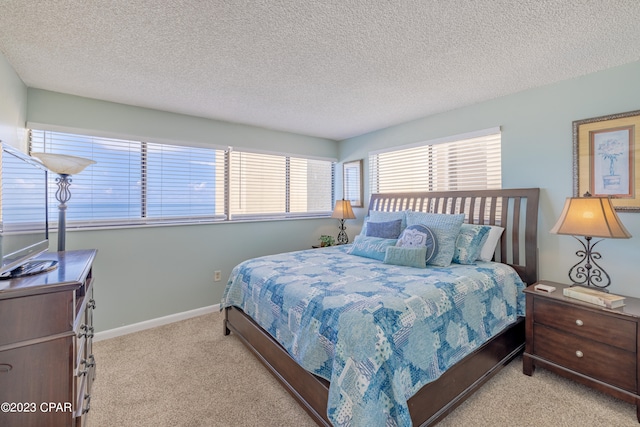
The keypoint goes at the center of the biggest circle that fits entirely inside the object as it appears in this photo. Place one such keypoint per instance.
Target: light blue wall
(54, 109)
(145, 273)
(537, 151)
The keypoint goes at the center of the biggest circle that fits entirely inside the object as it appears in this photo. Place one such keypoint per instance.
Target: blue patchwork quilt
(377, 332)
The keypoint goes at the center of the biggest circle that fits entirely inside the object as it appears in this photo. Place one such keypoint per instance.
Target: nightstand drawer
(603, 362)
(580, 321)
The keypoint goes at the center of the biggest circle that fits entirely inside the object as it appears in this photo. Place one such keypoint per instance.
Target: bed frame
(514, 209)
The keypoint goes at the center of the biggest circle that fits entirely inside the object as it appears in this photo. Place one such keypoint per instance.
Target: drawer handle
(579, 353)
(87, 398)
(579, 322)
(5, 367)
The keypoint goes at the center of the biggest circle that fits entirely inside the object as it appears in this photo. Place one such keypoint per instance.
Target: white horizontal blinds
(258, 184)
(183, 182)
(106, 191)
(311, 186)
(263, 185)
(135, 182)
(469, 163)
(402, 170)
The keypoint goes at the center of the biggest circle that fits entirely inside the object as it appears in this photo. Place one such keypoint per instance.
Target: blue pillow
(469, 243)
(406, 256)
(370, 247)
(446, 227)
(382, 216)
(386, 230)
(417, 236)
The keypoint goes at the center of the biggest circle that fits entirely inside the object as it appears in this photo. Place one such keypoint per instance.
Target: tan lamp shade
(592, 217)
(343, 210)
(63, 164)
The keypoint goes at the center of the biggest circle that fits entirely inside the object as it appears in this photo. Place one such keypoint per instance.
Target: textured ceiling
(332, 68)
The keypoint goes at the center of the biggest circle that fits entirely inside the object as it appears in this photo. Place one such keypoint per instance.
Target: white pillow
(489, 247)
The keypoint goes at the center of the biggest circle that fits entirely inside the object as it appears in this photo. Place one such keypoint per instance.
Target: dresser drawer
(610, 330)
(35, 316)
(36, 374)
(600, 361)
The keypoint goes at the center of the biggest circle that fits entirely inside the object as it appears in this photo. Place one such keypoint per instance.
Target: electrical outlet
(217, 276)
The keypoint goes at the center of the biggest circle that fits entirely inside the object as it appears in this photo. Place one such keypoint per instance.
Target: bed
(418, 396)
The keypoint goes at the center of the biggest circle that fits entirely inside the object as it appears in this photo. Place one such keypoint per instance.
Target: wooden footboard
(310, 391)
(433, 402)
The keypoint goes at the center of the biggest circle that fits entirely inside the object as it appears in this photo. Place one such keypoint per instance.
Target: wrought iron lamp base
(587, 271)
(343, 239)
(63, 195)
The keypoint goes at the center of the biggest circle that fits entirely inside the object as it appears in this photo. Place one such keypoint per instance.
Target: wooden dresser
(46, 328)
(592, 345)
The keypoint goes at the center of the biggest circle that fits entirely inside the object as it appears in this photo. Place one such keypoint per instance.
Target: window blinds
(463, 162)
(137, 182)
(265, 185)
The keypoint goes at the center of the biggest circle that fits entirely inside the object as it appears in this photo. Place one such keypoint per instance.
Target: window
(136, 182)
(268, 185)
(463, 162)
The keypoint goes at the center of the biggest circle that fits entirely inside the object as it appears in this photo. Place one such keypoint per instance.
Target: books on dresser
(594, 296)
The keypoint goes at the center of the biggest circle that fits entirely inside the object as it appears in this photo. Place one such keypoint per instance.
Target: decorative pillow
(407, 256)
(489, 246)
(381, 216)
(370, 247)
(469, 243)
(446, 227)
(386, 230)
(416, 236)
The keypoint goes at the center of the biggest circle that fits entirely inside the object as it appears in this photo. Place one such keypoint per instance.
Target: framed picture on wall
(352, 182)
(606, 162)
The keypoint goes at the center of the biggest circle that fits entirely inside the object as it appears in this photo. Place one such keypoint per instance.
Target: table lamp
(589, 217)
(343, 211)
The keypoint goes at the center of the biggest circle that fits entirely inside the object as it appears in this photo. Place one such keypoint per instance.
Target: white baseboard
(148, 324)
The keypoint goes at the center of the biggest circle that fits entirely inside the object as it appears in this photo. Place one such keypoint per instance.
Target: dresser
(592, 345)
(46, 328)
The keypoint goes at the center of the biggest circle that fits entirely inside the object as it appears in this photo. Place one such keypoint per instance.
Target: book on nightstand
(594, 296)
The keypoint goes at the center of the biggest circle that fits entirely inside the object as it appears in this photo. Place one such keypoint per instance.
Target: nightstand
(592, 345)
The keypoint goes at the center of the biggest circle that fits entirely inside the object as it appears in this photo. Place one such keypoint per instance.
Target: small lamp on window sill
(343, 211)
(590, 217)
(65, 166)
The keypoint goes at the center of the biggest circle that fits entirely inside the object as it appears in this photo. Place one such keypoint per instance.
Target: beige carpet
(189, 374)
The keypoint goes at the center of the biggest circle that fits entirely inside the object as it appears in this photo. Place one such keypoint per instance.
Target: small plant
(326, 240)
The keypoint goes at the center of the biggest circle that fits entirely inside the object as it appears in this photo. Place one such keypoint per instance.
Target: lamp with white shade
(65, 166)
(590, 217)
(343, 211)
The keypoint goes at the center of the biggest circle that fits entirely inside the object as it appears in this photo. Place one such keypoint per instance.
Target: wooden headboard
(516, 210)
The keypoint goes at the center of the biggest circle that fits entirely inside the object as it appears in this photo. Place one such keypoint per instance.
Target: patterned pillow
(489, 246)
(407, 256)
(469, 243)
(370, 247)
(446, 227)
(386, 230)
(416, 236)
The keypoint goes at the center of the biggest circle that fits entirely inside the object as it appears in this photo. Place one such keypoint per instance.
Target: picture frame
(352, 182)
(606, 161)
